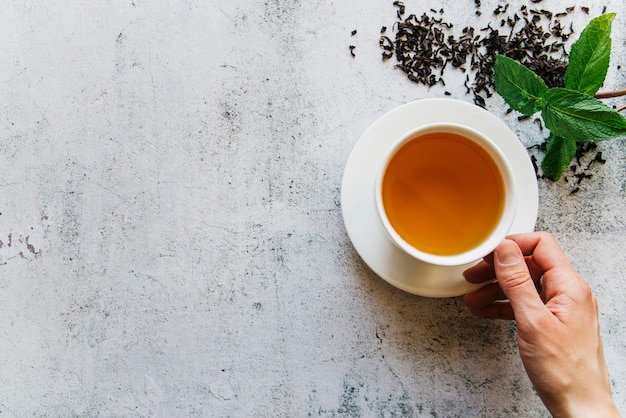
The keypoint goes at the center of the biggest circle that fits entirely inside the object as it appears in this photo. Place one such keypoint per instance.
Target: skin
(557, 322)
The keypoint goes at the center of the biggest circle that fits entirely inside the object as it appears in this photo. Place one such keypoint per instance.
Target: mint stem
(610, 94)
(620, 109)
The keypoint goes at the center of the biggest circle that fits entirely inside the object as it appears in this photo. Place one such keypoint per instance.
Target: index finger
(480, 272)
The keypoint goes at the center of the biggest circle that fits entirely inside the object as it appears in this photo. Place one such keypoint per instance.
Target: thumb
(515, 280)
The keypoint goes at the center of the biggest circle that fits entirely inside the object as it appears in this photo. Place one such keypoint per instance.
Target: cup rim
(510, 200)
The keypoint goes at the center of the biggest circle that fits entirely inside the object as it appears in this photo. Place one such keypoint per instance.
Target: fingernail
(508, 253)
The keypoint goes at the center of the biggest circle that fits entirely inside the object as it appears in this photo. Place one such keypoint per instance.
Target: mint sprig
(572, 114)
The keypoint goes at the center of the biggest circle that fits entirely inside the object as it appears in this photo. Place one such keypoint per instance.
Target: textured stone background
(172, 239)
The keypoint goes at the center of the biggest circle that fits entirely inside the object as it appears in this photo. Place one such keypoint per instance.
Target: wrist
(589, 408)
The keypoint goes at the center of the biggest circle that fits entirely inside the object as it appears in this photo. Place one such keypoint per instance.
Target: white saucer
(359, 207)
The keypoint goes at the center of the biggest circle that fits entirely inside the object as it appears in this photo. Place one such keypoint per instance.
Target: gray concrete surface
(172, 239)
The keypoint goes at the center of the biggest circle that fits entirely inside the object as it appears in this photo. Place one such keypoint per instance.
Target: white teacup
(445, 196)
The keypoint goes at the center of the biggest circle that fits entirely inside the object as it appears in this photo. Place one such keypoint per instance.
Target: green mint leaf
(559, 153)
(521, 88)
(590, 55)
(581, 118)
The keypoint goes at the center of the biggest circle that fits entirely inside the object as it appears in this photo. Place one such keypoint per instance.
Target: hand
(557, 322)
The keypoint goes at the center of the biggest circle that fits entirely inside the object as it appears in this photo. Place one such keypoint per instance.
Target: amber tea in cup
(445, 194)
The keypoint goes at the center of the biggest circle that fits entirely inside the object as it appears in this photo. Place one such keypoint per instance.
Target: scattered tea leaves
(426, 46)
